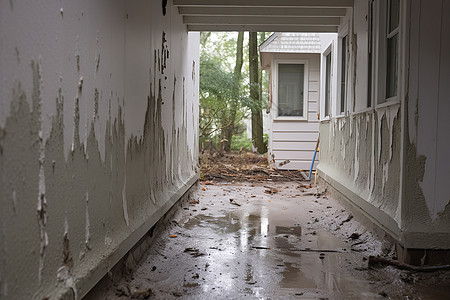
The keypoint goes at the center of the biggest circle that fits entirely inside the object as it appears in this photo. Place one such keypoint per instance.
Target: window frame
(275, 83)
(342, 111)
(381, 85)
(371, 58)
(328, 51)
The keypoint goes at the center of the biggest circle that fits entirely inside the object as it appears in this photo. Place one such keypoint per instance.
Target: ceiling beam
(263, 28)
(265, 3)
(231, 20)
(262, 11)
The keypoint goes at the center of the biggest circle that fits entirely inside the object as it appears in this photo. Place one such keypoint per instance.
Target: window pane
(393, 14)
(327, 84)
(370, 59)
(343, 68)
(290, 89)
(391, 67)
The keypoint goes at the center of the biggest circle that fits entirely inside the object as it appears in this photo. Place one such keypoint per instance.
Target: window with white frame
(343, 72)
(392, 41)
(387, 48)
(370, 23)
(327, 84)
(291, 100)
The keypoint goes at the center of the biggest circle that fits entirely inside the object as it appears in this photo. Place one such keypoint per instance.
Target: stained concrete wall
(98, 130)
(391, 159)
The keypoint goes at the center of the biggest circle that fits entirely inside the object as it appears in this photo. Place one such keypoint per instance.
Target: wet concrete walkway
(283, 240)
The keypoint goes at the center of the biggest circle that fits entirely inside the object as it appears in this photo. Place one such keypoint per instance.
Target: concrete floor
(275, 240)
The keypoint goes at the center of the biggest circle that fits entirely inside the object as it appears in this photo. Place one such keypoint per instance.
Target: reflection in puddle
(278, 237)
(297, 230)
(294, 278)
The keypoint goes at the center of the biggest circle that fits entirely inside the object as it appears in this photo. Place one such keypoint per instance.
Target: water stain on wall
(370, 157)
(81, 197)
(417, 216)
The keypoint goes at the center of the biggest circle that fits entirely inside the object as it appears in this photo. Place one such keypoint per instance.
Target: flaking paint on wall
(375, 174)
(422, 229)
(55, 242)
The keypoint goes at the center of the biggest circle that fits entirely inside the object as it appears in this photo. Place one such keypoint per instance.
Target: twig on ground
(378, 260)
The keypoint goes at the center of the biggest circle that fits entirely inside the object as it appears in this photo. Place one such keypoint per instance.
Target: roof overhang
(263, 15)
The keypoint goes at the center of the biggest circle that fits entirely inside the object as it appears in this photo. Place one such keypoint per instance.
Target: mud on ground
(279, 240)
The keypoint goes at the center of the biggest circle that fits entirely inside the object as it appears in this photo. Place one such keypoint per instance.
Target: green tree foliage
(221, 92)
(225, 91)
(218, 98)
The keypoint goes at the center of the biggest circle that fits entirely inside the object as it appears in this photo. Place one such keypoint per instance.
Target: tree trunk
(239, 57)
(229, 131)
(257, 124)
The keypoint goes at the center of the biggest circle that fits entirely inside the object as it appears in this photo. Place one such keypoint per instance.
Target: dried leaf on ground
(246, 166)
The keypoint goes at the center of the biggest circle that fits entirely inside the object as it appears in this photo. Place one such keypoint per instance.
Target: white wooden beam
(262, 28)
(265, 3)
(241, 20)
(261, 11)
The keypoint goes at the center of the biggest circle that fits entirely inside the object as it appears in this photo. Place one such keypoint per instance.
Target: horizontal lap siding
(294, 155)
(293, 146)
(295, 126)
(296, 136)
(295, 164)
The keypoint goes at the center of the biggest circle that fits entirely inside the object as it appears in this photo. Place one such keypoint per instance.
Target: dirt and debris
(354, 236)
(194, 252)
(294, 245)
(241, 166)
(232, 201)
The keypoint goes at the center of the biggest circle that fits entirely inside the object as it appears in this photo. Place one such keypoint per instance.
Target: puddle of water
(293, 277)
(296, 230)
(278, 234)
(253, 226)
(326, 275)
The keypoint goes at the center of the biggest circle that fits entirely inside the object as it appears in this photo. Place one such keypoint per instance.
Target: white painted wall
(428, 110)
(98, 136)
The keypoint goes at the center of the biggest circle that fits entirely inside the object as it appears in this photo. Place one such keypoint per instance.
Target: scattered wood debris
(270, 190)
(245, 166)
(194, 252)
(378, 260)
(194, 201)
(232, 201)
(349, 218)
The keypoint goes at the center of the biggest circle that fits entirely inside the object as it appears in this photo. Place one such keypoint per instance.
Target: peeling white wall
(428, 123)
(391, 159)
(98, 136)
(361, 150)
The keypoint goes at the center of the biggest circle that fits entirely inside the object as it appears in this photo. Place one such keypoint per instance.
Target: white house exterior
(293, 61)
